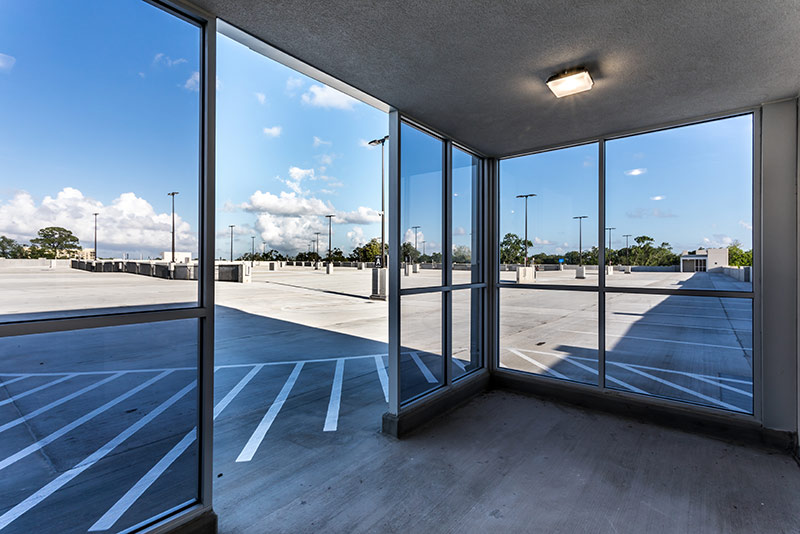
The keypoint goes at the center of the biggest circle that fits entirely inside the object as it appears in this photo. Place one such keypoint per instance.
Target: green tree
(512, 249)
(10, 248)
(55, 240)
(738, 257)
(409, 253)
(368, 251)
(462, 254)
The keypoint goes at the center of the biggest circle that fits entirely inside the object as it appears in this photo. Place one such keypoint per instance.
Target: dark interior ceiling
(475, 70)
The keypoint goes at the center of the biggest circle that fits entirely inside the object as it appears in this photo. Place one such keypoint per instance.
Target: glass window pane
(558, 189)
(421, 360)
(550, 333)
(89, 413)
(466, 218)
(466, 339)
(694, 349)
(421, 181)
(96, 159)
(680, 202)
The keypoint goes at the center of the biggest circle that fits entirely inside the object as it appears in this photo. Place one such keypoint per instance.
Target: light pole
(231, 226)
(330, 234)
(252, 250)
(415, 237)
(382, 142)
(580, 237)
(317, 245)
(609, 241)
(627, 249)
(525, 244)
(95, 235)
(423, 247)
(172, 194)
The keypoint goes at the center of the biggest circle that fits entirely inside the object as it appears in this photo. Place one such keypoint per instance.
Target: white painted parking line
(662, 340)
(11, 515)
(723, 386)
(261, 430)
(539, 365)
(36, 389)
(569, 359)
(679, 387)
(17, 379)
(643, 323)
(423, 368)
(58, 402)
(78, 422)
(722, 317)
(116, 511)
(460, 364)
(384, 378)
(332, 419)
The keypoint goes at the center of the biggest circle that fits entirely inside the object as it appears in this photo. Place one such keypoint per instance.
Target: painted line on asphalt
(36, 389)
(261, 430)
(332, 419)
(679, 387)
(423, 368)
(662, 340)
(537, 364)
(78, 422)
(689, 315)
(675, 371)
(643, 323)
(721, 385)
(460, 364)
(14, 513)
(382, 376)
(116, 511)
(17, 379)
(58, 402)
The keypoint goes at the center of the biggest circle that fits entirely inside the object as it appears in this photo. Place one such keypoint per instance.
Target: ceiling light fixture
(570, 82)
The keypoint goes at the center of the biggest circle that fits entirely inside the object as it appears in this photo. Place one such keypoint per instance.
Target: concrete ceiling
(475, 70)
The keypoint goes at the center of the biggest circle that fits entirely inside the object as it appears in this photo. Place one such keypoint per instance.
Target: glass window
(421, 188)
(108, 412)
(86, 213)
(421, 359)
(466, 338)
(552, 198)
(550, 333)
(680, 207)
(466, 218)
(693, 349)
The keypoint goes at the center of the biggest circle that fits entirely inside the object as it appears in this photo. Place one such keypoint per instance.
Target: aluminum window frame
(754, 295)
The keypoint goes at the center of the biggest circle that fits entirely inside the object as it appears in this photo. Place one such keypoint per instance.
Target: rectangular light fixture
(570, 83)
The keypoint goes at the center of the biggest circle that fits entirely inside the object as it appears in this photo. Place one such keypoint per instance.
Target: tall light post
(317, 245)
(609, 240)
(525, 243)
(330, 234)
(95, 235)
(415, 237)
(172, 194)
(423, 247)
(231, 226)
(627, 249)
(252, 250)
(580, 237)
(264, 249)
(382, 142)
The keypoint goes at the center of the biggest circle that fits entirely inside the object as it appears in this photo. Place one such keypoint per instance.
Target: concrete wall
(742, 274)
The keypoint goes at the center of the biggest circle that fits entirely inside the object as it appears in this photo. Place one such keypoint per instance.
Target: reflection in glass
(549, 333)
(88, 412)
(679, 207)
(95, 161)
(560, 190)
(466, 331)
(421, 181)
(466, 218)
(693, 349)
(421, 360)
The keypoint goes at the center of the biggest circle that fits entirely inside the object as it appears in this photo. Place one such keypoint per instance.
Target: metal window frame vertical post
(601, 264)
(394, 261)
(492, 235)
(447, 260)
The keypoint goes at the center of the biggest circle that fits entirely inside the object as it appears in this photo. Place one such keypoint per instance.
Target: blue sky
(100, 114)
(688, 186)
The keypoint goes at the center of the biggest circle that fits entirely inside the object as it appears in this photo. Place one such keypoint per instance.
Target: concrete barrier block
(415, 267)
(407, 269)
(271, 266)
(580, 272)
(183, 271)
(329, 268)
(526, 275)
(360, 266)
(627, 269)
(610, 270)
(378, 284)
(162, 270)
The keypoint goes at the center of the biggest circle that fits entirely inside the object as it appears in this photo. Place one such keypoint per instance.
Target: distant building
(180, 257)
(704, 259)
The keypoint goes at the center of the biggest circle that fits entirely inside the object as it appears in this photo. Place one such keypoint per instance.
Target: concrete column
(329, 268)
(580, 272)
(378, 284)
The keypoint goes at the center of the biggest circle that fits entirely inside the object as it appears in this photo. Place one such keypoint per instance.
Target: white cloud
(362, 215)
(460, 230)
(163, 59)
(296, 173)
(636, 172)
(642, 213)
(141, 75)
(293, 84)
(718, 241)
(261, 97)
(356, 236)
(565, 244)
(128, 224)
(539, 241)
(326, 159)
(193, 83)
(746, 225)
(409, 236)
(658, 197)
(7, 62)
(286, 205)
(365, 144)
(273, 131)
(320, 142)
(326, 97)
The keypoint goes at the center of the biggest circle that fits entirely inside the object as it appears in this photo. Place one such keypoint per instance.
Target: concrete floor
(508, 463)
(288, 344)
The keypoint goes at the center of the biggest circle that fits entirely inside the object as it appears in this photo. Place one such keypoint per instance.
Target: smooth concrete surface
(509, 463)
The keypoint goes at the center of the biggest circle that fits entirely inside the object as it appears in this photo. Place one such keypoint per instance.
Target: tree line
(50, 242)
